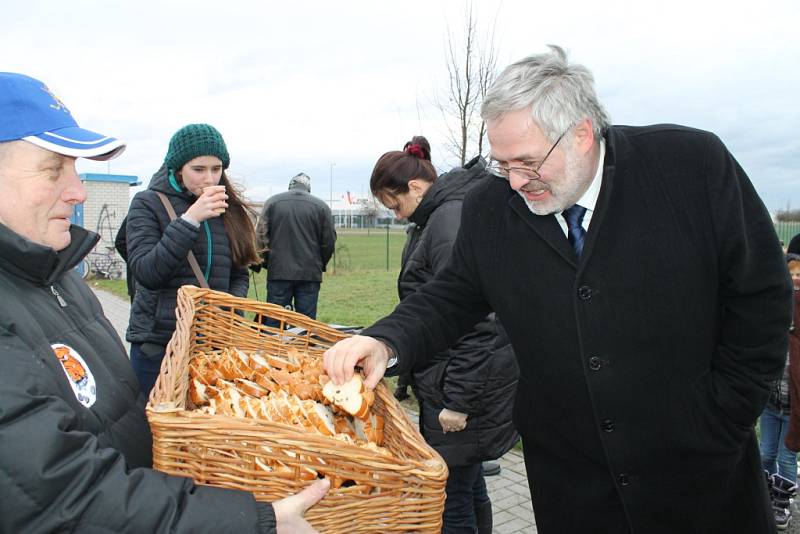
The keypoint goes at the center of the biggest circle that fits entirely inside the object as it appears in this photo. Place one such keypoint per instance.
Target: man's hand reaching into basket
(289, 511)
(369, 353)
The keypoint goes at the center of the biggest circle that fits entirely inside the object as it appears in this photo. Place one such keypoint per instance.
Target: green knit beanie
(193, 141)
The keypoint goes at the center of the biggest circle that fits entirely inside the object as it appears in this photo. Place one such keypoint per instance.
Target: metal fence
(786, 230)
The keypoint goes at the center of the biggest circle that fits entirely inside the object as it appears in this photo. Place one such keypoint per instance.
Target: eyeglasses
(525, 171)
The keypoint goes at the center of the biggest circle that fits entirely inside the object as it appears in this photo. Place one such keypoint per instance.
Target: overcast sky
(327, 87)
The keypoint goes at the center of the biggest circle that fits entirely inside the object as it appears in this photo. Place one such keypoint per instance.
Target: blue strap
(208, 256)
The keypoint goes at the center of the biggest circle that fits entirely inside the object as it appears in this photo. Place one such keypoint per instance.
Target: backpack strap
(192, 260)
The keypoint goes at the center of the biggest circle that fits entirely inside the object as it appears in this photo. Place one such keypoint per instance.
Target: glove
(452, 421)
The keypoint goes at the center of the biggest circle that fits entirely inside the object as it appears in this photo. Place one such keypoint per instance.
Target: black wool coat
(645, 363)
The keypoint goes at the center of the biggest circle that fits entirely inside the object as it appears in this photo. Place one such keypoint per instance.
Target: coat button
(595, 363)
(624, 480)
(585, 292)
(608, 425)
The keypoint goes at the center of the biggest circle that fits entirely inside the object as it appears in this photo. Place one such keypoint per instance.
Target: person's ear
(417, 187)
(584, 136)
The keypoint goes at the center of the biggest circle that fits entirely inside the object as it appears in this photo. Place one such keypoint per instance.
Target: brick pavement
(511, 500)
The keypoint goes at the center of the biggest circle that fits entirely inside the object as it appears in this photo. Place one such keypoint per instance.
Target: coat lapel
(546, 227)
(603, 200)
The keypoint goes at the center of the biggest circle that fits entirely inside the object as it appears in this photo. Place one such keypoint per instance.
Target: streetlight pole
(334, 218)
(332, 164)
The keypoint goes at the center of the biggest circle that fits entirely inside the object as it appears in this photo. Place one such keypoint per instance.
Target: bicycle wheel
(83, 268)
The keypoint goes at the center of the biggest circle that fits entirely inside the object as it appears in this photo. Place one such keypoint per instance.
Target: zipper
(57, 295)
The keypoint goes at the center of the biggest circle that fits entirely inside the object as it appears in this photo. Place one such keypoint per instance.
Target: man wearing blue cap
(76, 446)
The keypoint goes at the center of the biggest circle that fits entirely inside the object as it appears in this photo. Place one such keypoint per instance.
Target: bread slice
(248, 387)
(353, 397)
(258, 363)
(282, 363)
(197, 392)
(371, 429)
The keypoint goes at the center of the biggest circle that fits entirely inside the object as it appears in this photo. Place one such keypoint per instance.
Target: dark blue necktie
(576, 233)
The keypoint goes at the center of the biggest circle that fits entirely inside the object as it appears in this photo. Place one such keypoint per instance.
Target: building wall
(103, 211)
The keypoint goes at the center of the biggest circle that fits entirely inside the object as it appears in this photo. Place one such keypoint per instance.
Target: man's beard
(564, 191)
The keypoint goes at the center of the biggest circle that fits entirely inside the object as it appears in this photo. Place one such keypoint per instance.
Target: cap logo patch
(78, 374)
(57, 103)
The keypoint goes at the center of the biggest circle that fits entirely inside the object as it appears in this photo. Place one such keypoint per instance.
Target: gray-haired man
(643, 288)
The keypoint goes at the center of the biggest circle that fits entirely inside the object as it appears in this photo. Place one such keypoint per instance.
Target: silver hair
(559, 94)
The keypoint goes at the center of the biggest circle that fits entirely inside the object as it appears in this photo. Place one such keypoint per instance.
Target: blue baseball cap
(29, 111)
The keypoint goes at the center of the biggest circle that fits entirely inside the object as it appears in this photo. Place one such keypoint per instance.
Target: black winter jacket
(74, 440)
(296, 229)
(477, 375)
(157, 250)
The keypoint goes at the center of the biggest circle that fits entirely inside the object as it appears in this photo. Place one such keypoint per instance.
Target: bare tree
(471, 69)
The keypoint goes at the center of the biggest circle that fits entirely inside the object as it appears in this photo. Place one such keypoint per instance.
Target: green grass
(358, 289)
(352, 298)
(117, 287)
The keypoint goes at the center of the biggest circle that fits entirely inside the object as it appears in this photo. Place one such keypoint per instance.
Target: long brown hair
(238, 221)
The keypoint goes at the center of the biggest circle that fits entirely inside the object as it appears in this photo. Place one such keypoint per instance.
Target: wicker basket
(402, 493)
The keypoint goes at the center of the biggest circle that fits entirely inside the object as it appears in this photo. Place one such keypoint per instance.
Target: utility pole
(332, 164)
(334, 218)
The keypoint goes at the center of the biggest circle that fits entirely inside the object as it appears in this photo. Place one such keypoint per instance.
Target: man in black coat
(297, 234)
(642, 285)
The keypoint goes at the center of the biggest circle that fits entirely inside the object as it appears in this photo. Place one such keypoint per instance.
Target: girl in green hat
(212, 221)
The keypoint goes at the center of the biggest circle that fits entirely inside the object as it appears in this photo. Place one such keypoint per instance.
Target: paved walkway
(511, 500)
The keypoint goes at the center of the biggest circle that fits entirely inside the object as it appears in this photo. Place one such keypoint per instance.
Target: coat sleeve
(262, 233)
(433, 318)
(754, 291)
(328, 242)
(465, 374)
(121, 240)
(240, 281)
(156, 257)
(57, 479)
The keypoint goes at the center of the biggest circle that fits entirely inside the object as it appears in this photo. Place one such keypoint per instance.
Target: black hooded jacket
(157, 256)
(478, 375)
(74, 440)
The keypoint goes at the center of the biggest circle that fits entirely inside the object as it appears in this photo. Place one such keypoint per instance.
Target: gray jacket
(296, 230)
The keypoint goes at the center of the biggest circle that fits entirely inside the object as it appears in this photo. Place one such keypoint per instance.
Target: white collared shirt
(589, 198)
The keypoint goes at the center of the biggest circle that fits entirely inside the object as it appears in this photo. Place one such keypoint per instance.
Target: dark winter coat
(74, 440)
(157, 255)
(297, 231)
(645, 362)
(478, 375)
